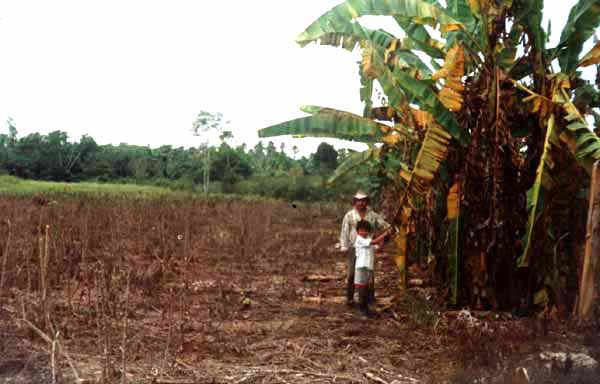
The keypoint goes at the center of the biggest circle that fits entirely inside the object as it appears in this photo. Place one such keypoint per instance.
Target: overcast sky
(139, 71)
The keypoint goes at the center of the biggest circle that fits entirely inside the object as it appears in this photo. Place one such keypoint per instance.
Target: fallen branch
(59, 347)
(320, 278)
(376, 379)
(186, 366)
(261, 371)
(320, 299)
(477, 314)
(174, 381)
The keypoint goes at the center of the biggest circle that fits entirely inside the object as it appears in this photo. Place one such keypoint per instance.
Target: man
(360, 211)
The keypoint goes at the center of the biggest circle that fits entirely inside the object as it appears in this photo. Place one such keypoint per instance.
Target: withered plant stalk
(53, 362)
(167, 345)
(44, 260)
(124, 338)
(5, 256)
(103, 331)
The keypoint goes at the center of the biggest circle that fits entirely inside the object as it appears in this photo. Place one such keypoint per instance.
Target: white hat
(360, 195)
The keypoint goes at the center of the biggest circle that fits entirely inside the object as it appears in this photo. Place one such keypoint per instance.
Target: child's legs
(362, 279)
(371, 293)
(363, 299)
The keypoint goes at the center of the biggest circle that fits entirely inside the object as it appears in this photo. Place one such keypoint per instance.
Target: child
(365, 262)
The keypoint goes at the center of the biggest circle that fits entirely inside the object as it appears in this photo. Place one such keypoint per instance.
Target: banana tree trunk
(401, 247)
(591, 261)
(453, 204)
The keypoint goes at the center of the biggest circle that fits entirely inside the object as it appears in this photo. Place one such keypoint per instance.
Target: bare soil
(230, 292)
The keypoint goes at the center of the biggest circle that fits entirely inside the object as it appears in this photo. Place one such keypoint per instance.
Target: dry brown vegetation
(194, 291)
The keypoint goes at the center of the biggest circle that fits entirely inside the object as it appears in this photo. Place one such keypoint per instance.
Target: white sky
(139, 71)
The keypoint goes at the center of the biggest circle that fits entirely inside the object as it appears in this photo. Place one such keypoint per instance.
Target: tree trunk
(591, 264)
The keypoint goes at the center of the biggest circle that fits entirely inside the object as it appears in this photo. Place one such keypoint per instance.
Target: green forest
(263, 170)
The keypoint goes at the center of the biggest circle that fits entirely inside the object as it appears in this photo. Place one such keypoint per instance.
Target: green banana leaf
(418, 38)
(352, 162)
(581, 25)
(587, 144)
(583, 143)
(346, 34)
(529, 13)
(386, 79)
(461, 11)
(535, 195)
(506, 57)
(419, 10)
(326, 122)
(349, 34)
(410, 60)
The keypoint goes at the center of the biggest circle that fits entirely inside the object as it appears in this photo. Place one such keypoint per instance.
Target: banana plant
(479, 96)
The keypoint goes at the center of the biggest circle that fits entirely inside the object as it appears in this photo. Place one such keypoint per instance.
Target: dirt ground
(230, 292)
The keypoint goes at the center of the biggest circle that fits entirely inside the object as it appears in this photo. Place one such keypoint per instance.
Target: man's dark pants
(351, 264)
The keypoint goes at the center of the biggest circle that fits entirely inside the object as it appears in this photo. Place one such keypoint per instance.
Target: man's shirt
(348, 232)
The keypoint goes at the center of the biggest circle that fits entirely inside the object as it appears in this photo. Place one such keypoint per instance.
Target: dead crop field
(177, 291)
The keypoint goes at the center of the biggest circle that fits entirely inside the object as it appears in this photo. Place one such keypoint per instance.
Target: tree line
(56, 157)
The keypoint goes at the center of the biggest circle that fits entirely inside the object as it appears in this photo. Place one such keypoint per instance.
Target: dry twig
(5, 256)
(376, 379)
(60, 349)
(53, 356)
(124, 340)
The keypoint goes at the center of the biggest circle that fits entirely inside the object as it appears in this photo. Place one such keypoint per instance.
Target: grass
(11, 186)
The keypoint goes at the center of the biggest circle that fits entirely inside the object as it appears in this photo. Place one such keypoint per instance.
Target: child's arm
(379, 239)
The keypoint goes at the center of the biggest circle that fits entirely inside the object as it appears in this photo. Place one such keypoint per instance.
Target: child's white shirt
(365, 252)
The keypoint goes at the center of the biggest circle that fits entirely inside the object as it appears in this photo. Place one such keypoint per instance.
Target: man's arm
(380, 222)
(345, 234)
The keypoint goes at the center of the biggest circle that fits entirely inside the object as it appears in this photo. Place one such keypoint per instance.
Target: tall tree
(206, 124)
(325, 158)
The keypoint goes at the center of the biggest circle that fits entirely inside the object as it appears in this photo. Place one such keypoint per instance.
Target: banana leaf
(583, 20)
(535, 195)
(352, 162)
(453, 70)
(351, 34)
(419, 10)
(461, 11)
(418, 38)
(432, 153)
(410, 60)
(592, 57)
(529, 13)
(346, 34)
(428, 100)
(583, 143)
(506, 53)
(326, 122)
